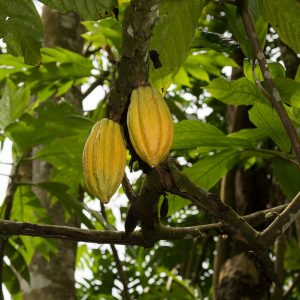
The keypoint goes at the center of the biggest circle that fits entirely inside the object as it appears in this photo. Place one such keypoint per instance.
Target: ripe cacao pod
(104, 159)
(150, 125)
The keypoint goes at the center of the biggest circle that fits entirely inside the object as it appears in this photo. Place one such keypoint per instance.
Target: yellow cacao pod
(104, 159)
(150, 125)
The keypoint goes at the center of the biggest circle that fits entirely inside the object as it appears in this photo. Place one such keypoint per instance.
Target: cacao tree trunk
(54, 279)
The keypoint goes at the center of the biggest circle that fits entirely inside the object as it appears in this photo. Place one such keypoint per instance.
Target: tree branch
(272, 91)
(177, 183)
(282, 223)
(8, 228)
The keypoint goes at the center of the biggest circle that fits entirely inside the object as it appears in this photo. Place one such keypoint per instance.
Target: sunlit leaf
(266, 118)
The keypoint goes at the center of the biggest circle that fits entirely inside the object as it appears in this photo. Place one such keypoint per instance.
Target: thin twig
(129, 191)
(93, 86)
(282, 223)
(272, 91)
(7, 175)
(6, 163)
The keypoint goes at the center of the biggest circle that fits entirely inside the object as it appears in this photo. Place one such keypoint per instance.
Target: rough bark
(54, 279)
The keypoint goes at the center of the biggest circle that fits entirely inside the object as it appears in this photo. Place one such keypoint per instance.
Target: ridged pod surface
(104, 159)
(150, 125)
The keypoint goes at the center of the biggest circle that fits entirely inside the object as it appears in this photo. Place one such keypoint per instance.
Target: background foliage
(200, 45)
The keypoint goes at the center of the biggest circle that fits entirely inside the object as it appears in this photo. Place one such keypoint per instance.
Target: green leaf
(284, 18)
(266, 118)
(182, 78)
(235, 92)
(172, 37)
(13, 102)
(276, 70)
(289, 90)
(65, 155)
(191, 134)
(209, 170)
(207, 62)
(17, 260)
(21, 29)
(11, 64)
(53, 121)
(252, 135)
(10, 280)
(288, 177)
(87, 9)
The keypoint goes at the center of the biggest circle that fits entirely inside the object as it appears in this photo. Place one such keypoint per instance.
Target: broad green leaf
(266, 118)
(87, 9)
(276, 70)
(288, 177)
(289, 90)
(182, 78)
(192, 134)
(197, 71)
(172, 37)
(21, 29)
(238, 29)
(235, 92)
(11, 64)
(207, 62)
(209, 170)
(13, 102)
(17, 260)
(252, 135)
(284, 18)
(10, 279)
(53, 121)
